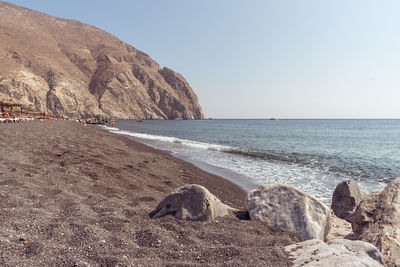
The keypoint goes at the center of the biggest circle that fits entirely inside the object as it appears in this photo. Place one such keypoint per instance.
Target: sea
(312, 155)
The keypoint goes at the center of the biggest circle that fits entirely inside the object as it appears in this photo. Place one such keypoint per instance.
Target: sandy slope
(71, 194)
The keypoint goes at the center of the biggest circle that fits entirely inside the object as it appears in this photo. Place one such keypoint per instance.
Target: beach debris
(345, 198)
(98, 120)
(16, 120)
(285, 208)
(377, 220)
(24, 241)
(191, 203)
(340, 252)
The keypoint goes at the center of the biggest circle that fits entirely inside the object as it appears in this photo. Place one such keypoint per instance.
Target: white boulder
(285, 208)
(191, 203)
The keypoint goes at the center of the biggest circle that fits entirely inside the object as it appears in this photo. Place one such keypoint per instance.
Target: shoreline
(72, 194)
(306, 159)
(217, 185)
(240, 180)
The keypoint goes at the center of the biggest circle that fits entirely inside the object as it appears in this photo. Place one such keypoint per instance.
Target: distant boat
(272, 119)
(139, 120)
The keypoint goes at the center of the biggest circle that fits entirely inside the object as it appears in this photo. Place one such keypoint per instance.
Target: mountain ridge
(69, 68)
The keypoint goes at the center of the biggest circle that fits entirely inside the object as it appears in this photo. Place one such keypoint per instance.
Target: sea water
(312, 155)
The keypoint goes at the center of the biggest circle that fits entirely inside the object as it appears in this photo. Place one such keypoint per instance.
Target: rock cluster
(375, 221)
(68, 68)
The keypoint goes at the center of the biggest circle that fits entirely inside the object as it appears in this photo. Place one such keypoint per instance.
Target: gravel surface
(76, 195)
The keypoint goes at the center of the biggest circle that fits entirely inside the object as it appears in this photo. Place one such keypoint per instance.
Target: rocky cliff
(73, 69)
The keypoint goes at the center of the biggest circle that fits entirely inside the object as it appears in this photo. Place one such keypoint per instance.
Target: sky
(263, 59)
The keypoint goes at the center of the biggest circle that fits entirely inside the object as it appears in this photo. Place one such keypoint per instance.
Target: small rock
(345, 198)
(341, 252)
(191, 203)
(285, 208)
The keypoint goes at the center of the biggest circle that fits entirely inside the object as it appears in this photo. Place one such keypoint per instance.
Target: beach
(78, 195)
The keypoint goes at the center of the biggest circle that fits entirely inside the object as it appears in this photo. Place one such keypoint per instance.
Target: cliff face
(69, 68)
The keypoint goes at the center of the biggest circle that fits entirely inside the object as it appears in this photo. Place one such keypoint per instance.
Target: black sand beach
(75, 195)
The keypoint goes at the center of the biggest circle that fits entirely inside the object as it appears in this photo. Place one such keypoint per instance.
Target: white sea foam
(317, 182)
(169, 139)
(111, 129)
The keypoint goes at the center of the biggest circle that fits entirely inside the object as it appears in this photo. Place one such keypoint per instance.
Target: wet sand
(77, 195)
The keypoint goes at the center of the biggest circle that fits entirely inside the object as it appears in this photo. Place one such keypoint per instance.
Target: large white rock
(285, 208)
(340, 253)
(191, 203)
(377, 220)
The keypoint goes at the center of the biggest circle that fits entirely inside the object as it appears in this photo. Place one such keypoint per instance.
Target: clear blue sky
(261, 59)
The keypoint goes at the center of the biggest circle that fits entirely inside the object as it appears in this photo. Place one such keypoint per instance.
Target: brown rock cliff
(73, 69)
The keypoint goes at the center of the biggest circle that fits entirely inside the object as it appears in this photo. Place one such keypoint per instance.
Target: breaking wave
(190, 143)
(326, 163)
